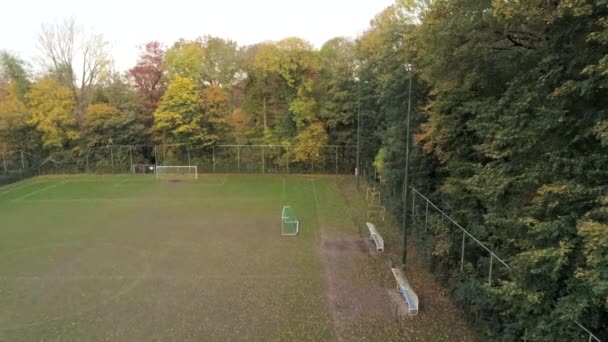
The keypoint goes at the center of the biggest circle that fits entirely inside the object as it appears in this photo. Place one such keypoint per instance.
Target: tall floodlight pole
(358, 133)
(358, 168)
(408, 67)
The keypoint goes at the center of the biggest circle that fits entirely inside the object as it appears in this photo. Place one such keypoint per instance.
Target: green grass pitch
(131, 258)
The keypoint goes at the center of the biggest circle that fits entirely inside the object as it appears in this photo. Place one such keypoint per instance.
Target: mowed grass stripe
(16, 186)
(199, 260)
(30, 194)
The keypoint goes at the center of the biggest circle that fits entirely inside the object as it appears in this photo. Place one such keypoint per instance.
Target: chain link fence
(122, 159)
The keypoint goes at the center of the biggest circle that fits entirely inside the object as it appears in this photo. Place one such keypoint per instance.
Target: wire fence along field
(439, 237)
(264, 159)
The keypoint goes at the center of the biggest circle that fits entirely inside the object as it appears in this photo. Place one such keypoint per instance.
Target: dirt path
(364, 303)
(353, 298)
(359, 305)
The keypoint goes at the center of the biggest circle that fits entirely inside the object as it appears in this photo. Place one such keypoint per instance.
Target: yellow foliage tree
(12, 111)
(97, 118)
(53, 111)
(179, 114)
(13, 119)
(215, 102)
(310, 142)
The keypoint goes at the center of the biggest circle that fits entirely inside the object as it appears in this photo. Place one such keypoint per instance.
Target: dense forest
(509, 130)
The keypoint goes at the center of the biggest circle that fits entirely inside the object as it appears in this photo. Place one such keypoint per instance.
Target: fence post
(87, 161)
(462, 252)
(490, 275)
(164, 155)
(426, 215)
(238, 158)
(413, 206)
(4, 163)
(263, 161)
(22, 161)
(213, 157)
(336, 159)
(155, 158)
(131, 158)
(112, 157)
(188, 149)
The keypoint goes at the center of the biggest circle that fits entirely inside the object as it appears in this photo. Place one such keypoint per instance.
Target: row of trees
(509, 130)
(200, 92)
(510, 116)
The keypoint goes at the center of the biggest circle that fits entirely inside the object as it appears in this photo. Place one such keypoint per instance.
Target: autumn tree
(107, 125)
(52, 108)
(185, 59)
(222, 62)
(74, 57)
(216, 118)
(338, 88)
(179, 115)
(267, 92)
(15, 71)
(15, 133)
(283, 79)
(208, 60)
(149, 77)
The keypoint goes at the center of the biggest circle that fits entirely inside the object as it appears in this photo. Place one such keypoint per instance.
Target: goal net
(289, 223)
(176, 172)
(143, 168)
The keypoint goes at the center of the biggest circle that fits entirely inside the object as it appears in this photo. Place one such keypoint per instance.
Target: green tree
(222, 63)
(15, 71)
(338, 89)
(186, 59)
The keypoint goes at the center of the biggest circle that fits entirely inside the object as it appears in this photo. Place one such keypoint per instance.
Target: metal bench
(374, 236)
(406, 291)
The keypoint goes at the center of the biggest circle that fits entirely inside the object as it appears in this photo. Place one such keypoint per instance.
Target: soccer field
(132, 258)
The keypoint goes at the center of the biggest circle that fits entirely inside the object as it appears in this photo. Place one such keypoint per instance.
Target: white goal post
(176, 172)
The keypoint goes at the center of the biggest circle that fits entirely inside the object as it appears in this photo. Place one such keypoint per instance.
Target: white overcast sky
(127, 24)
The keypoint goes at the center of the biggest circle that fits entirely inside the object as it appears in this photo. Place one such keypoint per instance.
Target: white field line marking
(314, 192)
(147, 277)
(284, 191)
(17, 187)
(169, 200)
(37, 192)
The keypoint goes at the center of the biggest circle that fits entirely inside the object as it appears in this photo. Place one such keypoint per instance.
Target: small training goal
(289, 223)
(176, 172)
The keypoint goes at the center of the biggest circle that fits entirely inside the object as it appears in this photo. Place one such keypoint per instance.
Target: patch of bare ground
(439, 318)
(357, 303)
